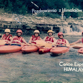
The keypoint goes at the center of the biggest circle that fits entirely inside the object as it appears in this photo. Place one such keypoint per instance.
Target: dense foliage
(25, 6)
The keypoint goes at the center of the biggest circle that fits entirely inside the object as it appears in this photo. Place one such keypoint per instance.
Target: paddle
(77, 45)
(42, 43)
(3, 42)
(72, 44)
(17, 44)
(31, 44)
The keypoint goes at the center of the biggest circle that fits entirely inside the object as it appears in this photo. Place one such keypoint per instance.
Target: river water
(36, 68)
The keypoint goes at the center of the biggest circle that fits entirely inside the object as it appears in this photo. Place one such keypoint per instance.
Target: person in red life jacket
(19, 39)
(50, 38)
(7, 36)
(61, 42)
(35, 37)
(78, 41)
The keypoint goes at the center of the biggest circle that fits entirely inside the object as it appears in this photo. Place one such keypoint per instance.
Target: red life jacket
(34, 39)
(4, 37)
(61, 41)
(49, 39)
(17, 38)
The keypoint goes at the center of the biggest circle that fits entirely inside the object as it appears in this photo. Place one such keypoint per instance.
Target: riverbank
(28, 23)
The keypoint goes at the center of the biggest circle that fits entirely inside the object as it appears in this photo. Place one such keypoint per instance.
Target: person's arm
(80, 40)
(67, 43)
(24, 41)
(54, 43)
(30, 40)
(11, 38)
(57, 43)
(9, 42)
(40, 38)
(2, 37)
(44, 38)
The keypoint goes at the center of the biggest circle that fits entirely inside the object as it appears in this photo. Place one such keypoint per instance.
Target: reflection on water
(35, 68)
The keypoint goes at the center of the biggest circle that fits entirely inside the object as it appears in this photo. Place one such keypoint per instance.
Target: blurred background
(17, 14)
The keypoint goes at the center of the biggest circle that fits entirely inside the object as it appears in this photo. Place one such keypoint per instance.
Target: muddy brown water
(40, 68)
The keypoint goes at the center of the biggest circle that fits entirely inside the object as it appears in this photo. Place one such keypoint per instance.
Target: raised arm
(80, 40)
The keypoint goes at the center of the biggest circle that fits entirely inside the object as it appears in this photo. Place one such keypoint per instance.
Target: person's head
(60, 35)
(19, 32)
(50, 32)
(36, 33)
(7, 32)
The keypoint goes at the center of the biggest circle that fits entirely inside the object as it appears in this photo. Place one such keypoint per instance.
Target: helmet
(19, 31)
(36, 31)
(50, 31)
(60, 33)
(7, 30)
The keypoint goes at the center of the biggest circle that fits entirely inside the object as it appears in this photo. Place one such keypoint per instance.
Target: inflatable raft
(59, 50)
(80, 51)
(78, 46)
(43, 46)
(9, 49)
(44, 50)
(29, 49)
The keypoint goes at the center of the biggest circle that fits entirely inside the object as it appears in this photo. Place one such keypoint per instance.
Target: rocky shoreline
(30, 22)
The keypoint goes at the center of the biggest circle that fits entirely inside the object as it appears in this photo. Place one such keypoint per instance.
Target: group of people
(18, 39)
